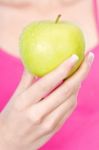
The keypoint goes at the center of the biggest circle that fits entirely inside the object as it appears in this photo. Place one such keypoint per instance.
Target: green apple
(45, 45)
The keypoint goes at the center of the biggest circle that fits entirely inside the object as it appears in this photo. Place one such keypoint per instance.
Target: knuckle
(49, 127)
(37, 120)
(34, 118)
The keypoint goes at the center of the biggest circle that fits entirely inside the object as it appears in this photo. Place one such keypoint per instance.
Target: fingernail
(90, 58)
(74, 58)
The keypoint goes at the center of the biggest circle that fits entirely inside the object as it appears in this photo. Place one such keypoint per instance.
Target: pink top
(81, 131)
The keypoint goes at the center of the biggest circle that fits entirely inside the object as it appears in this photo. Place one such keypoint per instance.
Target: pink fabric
(11, 70)
(81, 131)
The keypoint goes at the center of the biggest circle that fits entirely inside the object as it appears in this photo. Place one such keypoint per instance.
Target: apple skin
(45, 45)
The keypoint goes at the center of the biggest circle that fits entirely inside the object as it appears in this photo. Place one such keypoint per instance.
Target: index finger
(49, 82)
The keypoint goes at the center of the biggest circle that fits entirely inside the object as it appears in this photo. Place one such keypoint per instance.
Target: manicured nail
(90, 58)
(74, 58)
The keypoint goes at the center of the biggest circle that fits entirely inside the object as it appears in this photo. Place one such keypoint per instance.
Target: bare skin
(36, 118)
(21, 16)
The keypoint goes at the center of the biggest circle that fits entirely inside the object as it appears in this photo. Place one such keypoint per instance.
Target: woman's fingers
(56, 98)
(49, 82)
(55, 118)
(51, 102)
(61, 121)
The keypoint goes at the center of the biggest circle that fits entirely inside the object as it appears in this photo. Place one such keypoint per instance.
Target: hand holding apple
(45, 45)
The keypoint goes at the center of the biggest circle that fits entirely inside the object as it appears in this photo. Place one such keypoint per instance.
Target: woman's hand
(36, 112)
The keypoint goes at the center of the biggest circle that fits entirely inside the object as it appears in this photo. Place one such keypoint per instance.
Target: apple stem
(57, 19)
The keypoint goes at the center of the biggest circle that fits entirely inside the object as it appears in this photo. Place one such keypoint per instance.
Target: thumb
(27, 80)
